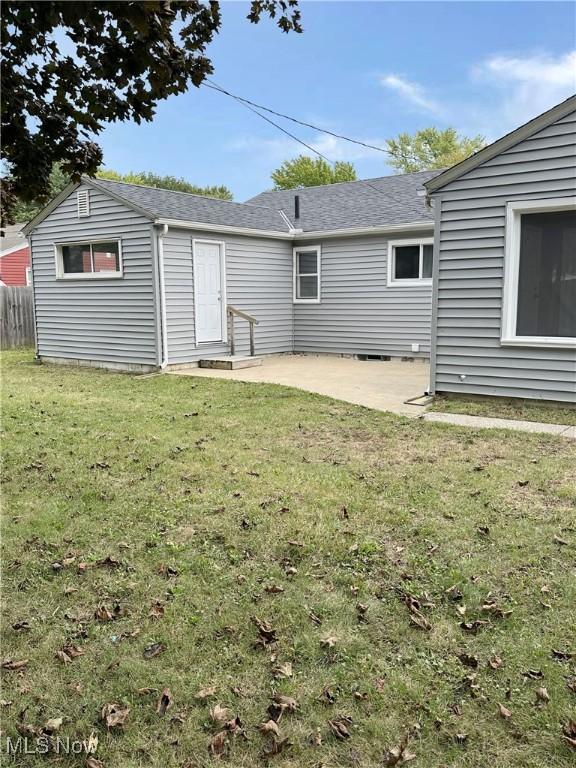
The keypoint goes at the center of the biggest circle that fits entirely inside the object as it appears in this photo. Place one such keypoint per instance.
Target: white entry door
(209, 291)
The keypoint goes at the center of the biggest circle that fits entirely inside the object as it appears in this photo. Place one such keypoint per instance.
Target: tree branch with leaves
(430, 149)
(69, 68)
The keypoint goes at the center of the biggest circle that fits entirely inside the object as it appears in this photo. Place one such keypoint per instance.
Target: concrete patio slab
(376, 384)
(485, 422)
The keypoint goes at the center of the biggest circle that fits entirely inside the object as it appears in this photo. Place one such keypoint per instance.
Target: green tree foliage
(149, 179)
(304, 171)
(69, 68)
(431, 148)
(25, 210)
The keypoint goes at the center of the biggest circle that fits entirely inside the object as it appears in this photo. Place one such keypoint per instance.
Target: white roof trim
(501, 145)
(296, 235)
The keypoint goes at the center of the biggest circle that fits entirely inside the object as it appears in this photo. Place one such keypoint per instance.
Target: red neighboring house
(14, 257)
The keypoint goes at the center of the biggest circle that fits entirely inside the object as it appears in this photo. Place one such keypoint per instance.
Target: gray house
(138, 278)
(504, 304)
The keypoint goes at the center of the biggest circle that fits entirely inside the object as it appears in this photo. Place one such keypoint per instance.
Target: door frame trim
(224, 325)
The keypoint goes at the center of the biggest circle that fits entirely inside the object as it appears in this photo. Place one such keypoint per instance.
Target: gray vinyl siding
(470, 243)
(359, 313)
(102, 320)
(258, 281)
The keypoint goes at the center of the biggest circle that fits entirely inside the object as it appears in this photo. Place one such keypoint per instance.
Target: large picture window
(410, 262)
(540, 274)
(307, 275)
(96, 259)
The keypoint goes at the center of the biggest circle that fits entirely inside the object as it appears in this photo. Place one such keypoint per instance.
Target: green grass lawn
(409, 578)
(506, 408)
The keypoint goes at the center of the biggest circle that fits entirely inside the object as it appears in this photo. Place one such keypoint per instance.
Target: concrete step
(230, 362)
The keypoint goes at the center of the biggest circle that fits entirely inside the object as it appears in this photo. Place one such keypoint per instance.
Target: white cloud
(527, 85)
(411, 92)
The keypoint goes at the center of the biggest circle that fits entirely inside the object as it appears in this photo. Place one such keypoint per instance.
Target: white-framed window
(307, 275)
(539, 301)
(83, 202)
(93, 259)
(410, 262)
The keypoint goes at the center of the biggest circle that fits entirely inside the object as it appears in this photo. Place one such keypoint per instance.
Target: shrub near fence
(16, 317)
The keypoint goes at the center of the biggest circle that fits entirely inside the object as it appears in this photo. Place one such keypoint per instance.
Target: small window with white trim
(94, 259)
(83, 202)
(540, 273)
(410, 262)
(307, 275)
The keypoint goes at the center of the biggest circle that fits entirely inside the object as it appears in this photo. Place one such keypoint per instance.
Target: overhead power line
(214, 86)
(253, 107)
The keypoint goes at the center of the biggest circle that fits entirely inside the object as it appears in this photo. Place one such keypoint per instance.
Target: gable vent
(83, 202)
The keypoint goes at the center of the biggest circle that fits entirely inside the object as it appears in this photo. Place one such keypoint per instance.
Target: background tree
(431, 148)
(71, 67)
(304, 171)
(149, 179)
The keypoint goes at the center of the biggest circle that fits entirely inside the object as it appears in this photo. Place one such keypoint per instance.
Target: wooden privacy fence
(16, 317)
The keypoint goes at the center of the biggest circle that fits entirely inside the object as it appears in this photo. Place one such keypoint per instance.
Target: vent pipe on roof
(296, 206)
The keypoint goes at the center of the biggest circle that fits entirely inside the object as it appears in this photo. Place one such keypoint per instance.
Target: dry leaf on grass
(398, 755)
(505, 713)
(154, 649)
(156, 610)
(266, 633)
(542, 696)
(114, 715)
(569, 733)
(270, 726)
(103, 614)
(273, 589)
(164, 702)
(205, 693)
(283, 671)
(340, 727)
(12, 665)
(275, 746)
(52, 725)
(474, 626)
(419, 621)
(220, 715)
(495, 662)
(93, 762)
(328, 642)
(468, 660)
(218, 745)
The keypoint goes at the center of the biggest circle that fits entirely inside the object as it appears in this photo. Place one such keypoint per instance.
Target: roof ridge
(356, 181)
(97, 179)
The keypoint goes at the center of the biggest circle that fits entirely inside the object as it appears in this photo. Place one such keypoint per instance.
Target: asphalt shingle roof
(166, 204)
(385, 201)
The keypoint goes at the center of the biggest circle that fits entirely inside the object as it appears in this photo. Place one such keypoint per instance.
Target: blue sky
(365, 69)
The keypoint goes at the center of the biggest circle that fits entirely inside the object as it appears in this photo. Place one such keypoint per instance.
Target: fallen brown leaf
(52, 725)
(495, 662)
(164, 702)
(156, 610)
(270, 726)
(505, 713)
(154, 649)
(283, 671)
(569, 733)
(266, 633)
(468, 660)
(218, 745)
(339, 727)
(220, 715)
(205, 693)
(93, 762)
(103, 614)
(542, 696)
(328, 642)
(276, 746)
(114, 715)
(14, 665)
(474, 626)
